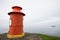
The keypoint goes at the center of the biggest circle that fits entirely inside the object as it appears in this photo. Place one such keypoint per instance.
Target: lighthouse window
(10, 22)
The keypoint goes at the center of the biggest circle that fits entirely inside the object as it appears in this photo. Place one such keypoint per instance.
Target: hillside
(31, 36)
(28, 36)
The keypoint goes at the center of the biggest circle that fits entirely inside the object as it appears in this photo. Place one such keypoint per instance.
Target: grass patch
(47, 37)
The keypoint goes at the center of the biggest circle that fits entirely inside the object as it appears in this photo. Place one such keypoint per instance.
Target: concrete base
(15, 36)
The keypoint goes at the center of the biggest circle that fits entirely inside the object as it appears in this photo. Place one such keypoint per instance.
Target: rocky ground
(28, 36)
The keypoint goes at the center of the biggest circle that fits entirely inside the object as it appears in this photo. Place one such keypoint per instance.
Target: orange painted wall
(16, 26)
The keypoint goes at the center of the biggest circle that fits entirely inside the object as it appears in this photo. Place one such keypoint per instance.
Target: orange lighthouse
(16, 23)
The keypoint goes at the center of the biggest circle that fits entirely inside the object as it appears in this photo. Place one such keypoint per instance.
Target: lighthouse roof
(16, 13)
(17, 7)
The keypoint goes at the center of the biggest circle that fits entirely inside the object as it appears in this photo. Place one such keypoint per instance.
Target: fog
(41, 15)
(37, 27)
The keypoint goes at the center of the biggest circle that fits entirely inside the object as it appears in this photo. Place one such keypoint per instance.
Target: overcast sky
(40, 14)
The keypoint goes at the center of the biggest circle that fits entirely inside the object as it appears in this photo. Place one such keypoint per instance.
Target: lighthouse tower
(16, 23)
